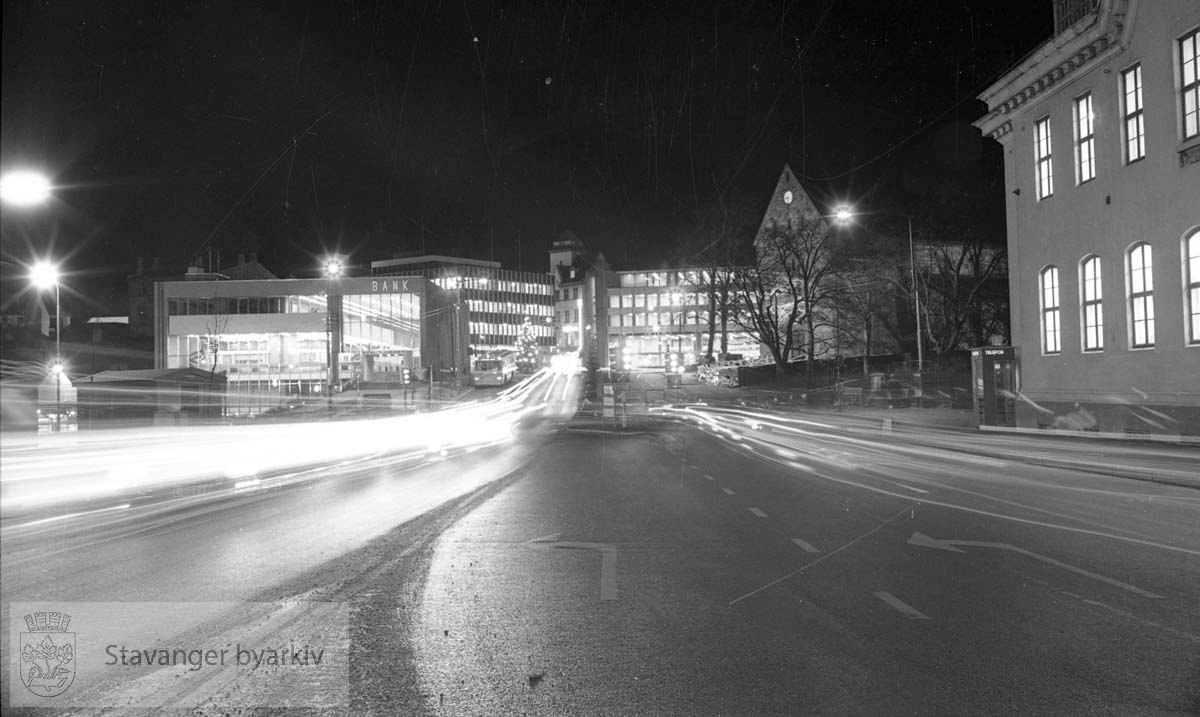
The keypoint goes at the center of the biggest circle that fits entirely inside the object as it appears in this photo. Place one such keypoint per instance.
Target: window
(614, 301)
(1135, 121)
(1041, 150)
(1192, 281)
(1085, 140)
(1141, 296)
(1051, 331)
(1189, 75)
(1093, 310)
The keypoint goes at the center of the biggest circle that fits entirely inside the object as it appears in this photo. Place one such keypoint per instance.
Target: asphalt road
(714, 567)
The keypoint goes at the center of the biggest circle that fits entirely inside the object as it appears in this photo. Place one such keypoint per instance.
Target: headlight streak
(886, 461)
(166, 462)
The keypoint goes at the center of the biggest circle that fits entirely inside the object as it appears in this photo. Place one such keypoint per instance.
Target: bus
(495, 370)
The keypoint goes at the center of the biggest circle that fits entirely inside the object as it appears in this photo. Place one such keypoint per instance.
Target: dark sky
(483, 128)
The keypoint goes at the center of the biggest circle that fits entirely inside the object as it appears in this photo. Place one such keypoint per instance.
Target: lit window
(1189, 73)
(1192, 267)
(1093, 309)
(1041, 149)
(1085, 140)
(1141, 296)
(1051, 329)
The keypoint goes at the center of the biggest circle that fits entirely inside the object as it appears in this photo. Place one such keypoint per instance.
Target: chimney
(241, 260)
(154, 264)
(253, 257)
(141, 265)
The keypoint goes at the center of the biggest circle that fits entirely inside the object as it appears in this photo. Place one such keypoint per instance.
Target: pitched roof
(789, 202)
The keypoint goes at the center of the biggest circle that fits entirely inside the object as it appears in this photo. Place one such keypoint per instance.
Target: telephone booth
(995, 379)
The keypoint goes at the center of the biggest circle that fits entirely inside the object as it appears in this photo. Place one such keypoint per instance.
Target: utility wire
(290, 148)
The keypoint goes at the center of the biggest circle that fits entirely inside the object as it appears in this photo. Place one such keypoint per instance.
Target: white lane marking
(819, 560)
(808, 547)
(68, 516)
(728, 492)
(901, 606)
(709, 477)
(608, 559)
(924, 541)
(905, 486)
(758, 512)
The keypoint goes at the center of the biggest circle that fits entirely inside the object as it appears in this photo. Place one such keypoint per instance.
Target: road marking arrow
(924, 541)
(608, 559)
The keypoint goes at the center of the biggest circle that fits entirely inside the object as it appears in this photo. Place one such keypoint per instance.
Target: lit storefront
(298, 339)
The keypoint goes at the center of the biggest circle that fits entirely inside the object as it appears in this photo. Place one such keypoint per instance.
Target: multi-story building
(581, 279)
(640, 316)
(1100, 127)
(497, 301)
(140, 284)
(654, 313)
(306, 338)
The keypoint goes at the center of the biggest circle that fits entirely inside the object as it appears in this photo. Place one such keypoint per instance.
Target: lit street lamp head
(333, 267)
(44, 275)
(23, 188)
(843, 214)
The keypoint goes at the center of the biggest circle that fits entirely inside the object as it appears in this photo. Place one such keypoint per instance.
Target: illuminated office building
(497, 300)
(274, 339)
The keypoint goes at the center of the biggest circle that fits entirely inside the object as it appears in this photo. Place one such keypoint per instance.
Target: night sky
(483, 129)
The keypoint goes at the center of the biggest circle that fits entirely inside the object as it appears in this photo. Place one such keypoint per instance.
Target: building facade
(1100, 127)
(278, 339)
(655, 313)
(496, 300)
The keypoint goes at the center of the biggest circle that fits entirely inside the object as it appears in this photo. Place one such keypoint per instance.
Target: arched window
(1140, 283)
(1051, 328)
(1091, 297)
(1191, 280)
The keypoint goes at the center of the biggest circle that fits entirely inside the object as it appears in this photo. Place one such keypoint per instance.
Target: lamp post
(27, 188)
(333, 270)
(44, 275)
(843, 216)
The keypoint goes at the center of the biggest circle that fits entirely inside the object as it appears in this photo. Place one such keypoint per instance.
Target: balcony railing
(1069, 12)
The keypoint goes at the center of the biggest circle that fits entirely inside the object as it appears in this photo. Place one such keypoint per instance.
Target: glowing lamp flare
(24, 188)
(44, 275)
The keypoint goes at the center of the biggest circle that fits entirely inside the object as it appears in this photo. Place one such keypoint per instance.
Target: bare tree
(214, 327)
(963, 295)
(786, 292)
(864, 305)
(710, 244)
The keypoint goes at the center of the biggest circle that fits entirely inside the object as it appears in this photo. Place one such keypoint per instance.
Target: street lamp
(44, 275)
(843, 215)
(333, 269)
(27, 188)
(675, 298)
(24, 188)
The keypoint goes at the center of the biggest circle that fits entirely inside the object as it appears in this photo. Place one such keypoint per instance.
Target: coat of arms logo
(47, 654)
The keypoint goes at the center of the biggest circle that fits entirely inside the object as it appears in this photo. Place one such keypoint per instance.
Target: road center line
(709, 477)
(758, 512)
(808, 547)
(901, 606)
(728, 492)
(819, 560)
